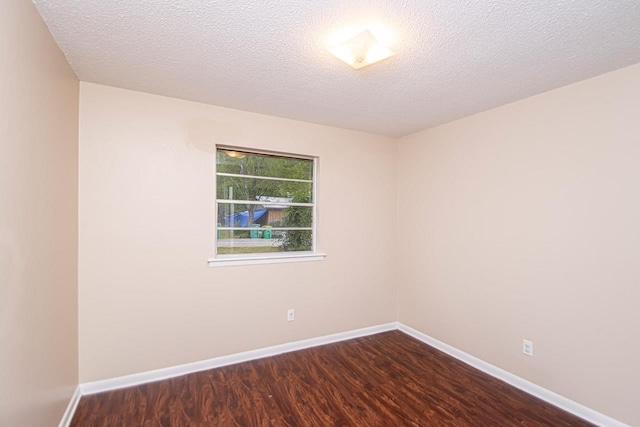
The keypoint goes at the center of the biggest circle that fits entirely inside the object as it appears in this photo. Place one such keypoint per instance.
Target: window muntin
(265, 203)
(275, 189)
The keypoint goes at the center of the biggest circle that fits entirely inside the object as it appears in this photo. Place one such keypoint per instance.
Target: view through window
(265, 203)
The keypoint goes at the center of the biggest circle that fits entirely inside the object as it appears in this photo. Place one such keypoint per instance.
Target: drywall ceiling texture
(453, 58)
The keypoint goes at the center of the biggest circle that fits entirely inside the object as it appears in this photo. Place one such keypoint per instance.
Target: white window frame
(226, 260)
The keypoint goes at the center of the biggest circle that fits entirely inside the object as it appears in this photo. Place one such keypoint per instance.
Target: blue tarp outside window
(242, 218)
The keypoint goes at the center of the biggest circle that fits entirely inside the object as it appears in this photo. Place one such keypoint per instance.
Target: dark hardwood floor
(388, 379)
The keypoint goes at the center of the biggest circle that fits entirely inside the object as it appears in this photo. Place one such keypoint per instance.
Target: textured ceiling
(454, 58)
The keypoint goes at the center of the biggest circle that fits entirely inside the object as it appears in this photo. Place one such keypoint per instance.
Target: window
(265, 207)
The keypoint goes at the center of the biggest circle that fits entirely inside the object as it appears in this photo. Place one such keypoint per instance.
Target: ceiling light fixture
(361, 50)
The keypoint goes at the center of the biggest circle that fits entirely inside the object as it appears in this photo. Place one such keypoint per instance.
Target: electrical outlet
(527, 347)
(291, 315)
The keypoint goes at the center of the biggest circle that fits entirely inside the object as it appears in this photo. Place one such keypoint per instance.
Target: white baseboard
(555, 399)
(216, 362)
(71, 408)
(188, 368)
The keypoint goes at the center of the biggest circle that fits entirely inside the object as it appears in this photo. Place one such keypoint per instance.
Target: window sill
(228, 261)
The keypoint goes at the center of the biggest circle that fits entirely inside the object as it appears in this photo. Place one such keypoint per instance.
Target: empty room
(329, 213)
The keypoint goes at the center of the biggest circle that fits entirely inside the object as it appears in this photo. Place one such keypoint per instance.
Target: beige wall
(147, 296)
(523, 222)
(38, 221)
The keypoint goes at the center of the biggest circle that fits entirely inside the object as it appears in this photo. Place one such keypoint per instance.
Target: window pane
(260, 188)
(243, 163)
(236, 188)
(245, 215)
(263, 240)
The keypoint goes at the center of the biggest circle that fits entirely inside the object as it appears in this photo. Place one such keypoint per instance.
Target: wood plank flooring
(388, 379)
